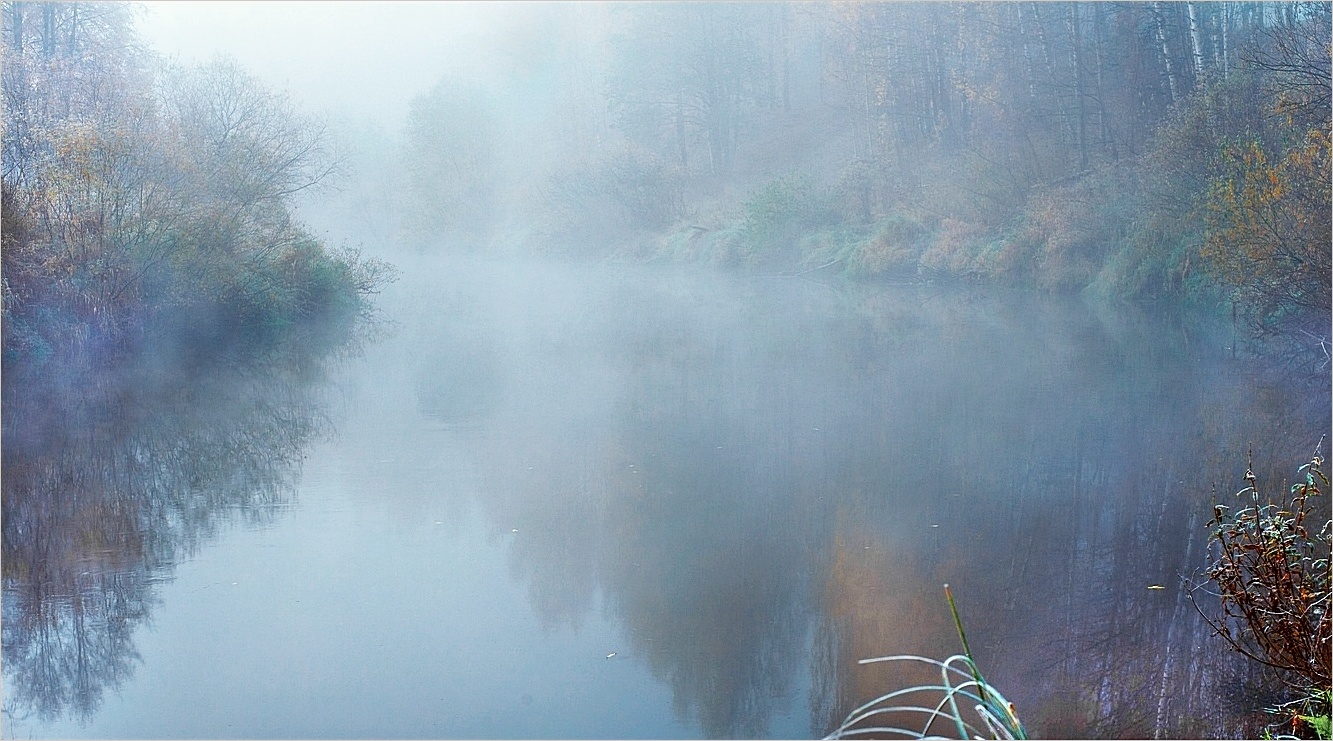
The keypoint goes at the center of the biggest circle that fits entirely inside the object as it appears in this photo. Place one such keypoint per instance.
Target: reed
(963, 701)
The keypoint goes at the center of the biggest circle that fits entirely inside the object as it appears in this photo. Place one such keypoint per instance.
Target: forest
(1141, 151)
(1145, 151)
(761, 284)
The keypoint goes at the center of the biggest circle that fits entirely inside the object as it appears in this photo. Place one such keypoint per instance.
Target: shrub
(956, 250)
(1075, 226)
(894, 248)
(780, 214)
(1271, 568)
(1268, 227)
(449, 157)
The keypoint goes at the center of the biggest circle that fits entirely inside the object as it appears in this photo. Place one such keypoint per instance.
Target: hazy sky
(358, 59)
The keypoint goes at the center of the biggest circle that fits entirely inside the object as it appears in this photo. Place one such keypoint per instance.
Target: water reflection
(105, 491)
(741, 485)
(765, 481)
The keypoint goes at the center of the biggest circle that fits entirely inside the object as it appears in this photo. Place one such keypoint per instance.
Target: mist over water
(736, 485)
(633, 370)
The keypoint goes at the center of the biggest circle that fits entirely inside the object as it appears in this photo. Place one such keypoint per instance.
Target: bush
(893, 249)
(449, 157)
(1268, 236)
(1076, 227)
(1149, 213)
(959, 249)
(1271, 568)
(155, 211)
(780, 214)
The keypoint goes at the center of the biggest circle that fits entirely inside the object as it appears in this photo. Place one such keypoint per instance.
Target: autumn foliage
(148, 205)
(1269, 234)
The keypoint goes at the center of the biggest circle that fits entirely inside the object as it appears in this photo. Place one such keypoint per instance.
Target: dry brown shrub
(956, 249)
(894, 249)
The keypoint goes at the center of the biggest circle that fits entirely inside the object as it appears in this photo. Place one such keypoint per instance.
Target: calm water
(737, 486)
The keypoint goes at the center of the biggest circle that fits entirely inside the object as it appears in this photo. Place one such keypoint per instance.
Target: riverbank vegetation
(1141, 151)
(1175, 152)
(146, 209)
(984, 711)
(1270, 567)
(166, 321)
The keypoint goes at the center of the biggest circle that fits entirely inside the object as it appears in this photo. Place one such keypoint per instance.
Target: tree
(1269, 209)
(139, 198)
(691, 73)
(251, 142)
(1269, 236)
(449, 156)
(78, 132)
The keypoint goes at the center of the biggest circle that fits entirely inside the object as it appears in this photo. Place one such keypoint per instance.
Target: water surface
(628, 502)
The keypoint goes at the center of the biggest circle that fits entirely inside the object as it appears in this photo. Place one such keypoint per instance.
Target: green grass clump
(963, 699)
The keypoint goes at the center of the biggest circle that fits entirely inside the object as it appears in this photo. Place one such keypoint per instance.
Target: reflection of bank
(1058, 522)
(738, 482)
(99, 507)
(640, 464)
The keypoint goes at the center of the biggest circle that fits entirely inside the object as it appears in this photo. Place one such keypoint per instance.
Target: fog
(361, 61)
(632, 370)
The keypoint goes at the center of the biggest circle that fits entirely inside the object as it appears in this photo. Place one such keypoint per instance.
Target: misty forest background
(1163, 151)
(1145, 151)
(167, 220)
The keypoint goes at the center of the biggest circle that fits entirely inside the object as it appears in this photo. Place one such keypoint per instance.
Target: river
(625, 501)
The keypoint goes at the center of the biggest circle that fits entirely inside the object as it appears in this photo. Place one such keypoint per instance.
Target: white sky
(363, 60)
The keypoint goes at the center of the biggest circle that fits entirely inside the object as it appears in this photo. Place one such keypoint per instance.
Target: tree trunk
(771, 52)
(867, 92)
(48, 29)
(1076, 62)
(1158, 12)
(1195, 46)
(941, 92)
(70, 42)
(16, 16)
(785, 33)
(1103, 123)
(1027, 59)
(1045, 44)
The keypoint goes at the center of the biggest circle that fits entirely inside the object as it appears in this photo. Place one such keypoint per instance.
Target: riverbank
(147, 213)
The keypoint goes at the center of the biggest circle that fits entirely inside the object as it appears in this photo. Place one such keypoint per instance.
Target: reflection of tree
(877, 601)
(723, 622)
(103, 496)
(731, 476)
(640, 473)
(1065, 483)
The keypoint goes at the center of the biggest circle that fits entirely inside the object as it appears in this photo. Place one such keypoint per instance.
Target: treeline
(1150, 150)
(146, 206)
